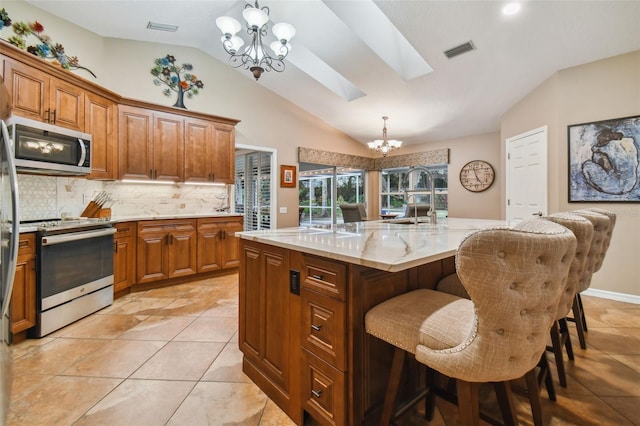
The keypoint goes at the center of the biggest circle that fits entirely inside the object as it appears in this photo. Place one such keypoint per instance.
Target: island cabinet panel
(39, 96)
(269, 318)
(100, 121)
(124, 257)
(217, 243)
(342, 374)
(166, 249)
(22, 310)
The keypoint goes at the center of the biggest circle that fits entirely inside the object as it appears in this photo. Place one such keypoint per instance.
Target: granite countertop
(118, 219)
(376, 244)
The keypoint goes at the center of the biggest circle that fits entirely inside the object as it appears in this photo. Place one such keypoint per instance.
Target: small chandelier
(255, 57)
(384, 146)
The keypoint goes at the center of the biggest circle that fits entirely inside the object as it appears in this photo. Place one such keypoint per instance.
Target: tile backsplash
(48, 197)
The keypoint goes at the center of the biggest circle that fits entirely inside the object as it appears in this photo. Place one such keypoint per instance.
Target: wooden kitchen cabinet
(39, 96)
(100, 121)
(268, 327)
(217, 244)
(22, 311)
(150, 144)
(124, 256)
(209, 151)
(166, 249)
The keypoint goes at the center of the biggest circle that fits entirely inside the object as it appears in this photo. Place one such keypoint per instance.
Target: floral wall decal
(179, 79)
(45, 49)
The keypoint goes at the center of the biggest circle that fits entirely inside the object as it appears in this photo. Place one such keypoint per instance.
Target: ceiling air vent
(459, 50)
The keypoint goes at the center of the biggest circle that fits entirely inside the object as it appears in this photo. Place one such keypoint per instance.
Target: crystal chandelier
(255, 56)
(384, 146)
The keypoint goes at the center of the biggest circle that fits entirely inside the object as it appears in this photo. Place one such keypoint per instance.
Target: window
(316, 192)
(253, 189)
(392, 189)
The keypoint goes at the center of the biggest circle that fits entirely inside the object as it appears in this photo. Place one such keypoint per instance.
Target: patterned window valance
(318, 156)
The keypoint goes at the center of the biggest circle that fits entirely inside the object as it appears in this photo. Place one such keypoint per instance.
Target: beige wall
(597, 91)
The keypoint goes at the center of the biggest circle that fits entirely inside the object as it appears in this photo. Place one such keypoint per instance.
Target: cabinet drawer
(324, 391)
(324, 328)
(166, 225)
(325, 277)
(125, 229)
(27, 245)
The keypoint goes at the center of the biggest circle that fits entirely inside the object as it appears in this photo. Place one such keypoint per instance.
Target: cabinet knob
(316, 393)
(316, 327)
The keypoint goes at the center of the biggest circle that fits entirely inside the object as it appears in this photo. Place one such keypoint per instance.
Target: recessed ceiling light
(511, 8)
(162, 27)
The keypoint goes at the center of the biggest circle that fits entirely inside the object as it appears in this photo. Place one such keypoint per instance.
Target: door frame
(545, 130)
(273, 201)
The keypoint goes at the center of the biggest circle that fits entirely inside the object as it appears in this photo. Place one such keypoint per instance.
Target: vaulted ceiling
(354, 61)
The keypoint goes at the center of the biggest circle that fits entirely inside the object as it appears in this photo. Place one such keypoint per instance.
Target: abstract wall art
(604, 158)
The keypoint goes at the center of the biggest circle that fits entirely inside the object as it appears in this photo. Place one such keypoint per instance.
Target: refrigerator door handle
(15, 225)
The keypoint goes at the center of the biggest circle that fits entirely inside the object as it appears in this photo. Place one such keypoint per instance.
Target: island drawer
(324, 328)
(324, 392)
(326, 277)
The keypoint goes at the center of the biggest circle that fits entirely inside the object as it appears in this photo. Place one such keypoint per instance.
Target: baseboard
(620, 297)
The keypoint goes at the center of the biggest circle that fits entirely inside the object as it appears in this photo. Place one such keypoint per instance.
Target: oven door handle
(75, 236)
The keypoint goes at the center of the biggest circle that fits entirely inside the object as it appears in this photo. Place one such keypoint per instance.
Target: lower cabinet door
(324, 392)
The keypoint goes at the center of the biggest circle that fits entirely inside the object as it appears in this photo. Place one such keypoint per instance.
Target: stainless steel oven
(74, 273)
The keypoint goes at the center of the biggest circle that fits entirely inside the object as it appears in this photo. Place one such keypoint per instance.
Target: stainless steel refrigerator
(9, 230)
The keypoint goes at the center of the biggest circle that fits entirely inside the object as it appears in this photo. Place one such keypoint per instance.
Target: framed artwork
(287, 176)
(603, 161)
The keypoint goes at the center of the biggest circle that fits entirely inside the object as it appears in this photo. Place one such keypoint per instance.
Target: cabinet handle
(115, 246)
(54, 116)
(213, 177)
(151, 173)
(316, 327)
(155, 173)
(316, 393)
(166, 239)
(317, 277)
(48, 118)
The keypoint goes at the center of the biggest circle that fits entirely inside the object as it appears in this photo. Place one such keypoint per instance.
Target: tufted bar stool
(603, 223)
(583, 230)
(515, 278)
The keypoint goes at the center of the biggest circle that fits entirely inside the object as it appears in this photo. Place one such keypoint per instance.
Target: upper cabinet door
(135, 139)
(29, 90)
(36, 95)
(100, 121)
(168, 147)
(198, 150)
(67, 105)
(224, 154)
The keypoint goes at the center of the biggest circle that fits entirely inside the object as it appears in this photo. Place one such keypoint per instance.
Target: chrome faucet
(431, 214)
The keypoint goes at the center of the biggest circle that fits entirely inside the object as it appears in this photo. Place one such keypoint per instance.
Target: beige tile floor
(170, 356)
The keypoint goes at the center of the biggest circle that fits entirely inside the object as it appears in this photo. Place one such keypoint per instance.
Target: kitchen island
(304, 293)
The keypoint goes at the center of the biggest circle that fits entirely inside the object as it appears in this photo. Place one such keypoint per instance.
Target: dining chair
(353, 212)
(514, 278)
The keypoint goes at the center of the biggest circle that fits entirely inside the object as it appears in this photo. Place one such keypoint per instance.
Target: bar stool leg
(394, 383)
(468, 403)
(557, 353)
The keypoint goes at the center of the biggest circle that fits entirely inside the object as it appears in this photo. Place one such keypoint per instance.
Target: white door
(526, 175)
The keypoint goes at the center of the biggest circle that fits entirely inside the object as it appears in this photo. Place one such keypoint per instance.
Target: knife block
(94, 210)
(104, 213)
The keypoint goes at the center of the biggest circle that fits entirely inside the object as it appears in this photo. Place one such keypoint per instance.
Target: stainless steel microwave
(47, 149)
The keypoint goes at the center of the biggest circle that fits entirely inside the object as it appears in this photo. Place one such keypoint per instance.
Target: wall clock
(477, 176)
